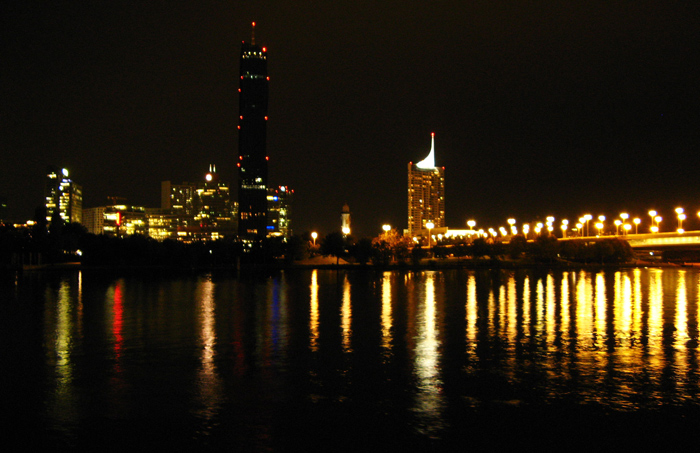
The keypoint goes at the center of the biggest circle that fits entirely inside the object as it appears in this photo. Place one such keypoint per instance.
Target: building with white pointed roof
(426, 194)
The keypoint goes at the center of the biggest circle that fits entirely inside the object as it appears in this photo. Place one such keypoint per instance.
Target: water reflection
(422, 348)
(208, 380)
(429, 401)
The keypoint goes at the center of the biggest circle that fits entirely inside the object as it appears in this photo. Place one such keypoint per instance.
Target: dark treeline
(72, 243)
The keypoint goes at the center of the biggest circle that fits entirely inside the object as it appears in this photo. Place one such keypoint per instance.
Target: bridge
(689, 240)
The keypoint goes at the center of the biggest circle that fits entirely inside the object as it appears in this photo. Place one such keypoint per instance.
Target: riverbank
(425, 264)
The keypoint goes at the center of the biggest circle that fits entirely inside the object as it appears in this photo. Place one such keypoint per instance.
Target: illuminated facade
(194, 211)
(62, 196)
(252, 131)
(426, 194)
(279, 211)
(116, 220)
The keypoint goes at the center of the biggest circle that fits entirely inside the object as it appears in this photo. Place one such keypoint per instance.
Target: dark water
(336, 360)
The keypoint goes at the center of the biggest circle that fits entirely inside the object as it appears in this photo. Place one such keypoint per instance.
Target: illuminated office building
(252, 131)
(62, 196)
(279, 211)
(194, 211)
(426, 194)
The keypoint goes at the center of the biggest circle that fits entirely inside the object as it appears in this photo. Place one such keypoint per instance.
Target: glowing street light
(346, 231)
(653, 213)
(429, 226)
(586, 219)
(617, 222)
(601, 219)
(600, 226)
(314, 235)
(681, 218)
(386, 227)
(658, 220)
(627, 227)
(636, 222)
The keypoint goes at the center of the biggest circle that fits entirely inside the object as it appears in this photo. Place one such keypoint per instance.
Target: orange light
(241, 117)
(265, 118)
(264, 49)
(239, 127)
(268, 78)
(267, 158)
(253, 24)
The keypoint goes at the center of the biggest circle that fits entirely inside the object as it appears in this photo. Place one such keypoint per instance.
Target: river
(350, 360)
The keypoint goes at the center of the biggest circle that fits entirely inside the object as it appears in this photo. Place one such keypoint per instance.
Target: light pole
(652, 214)
(314, 235)
(601, 218)
(587, 218)
(681, 217)
(618, 222)
(599, 225)
(386, 227)
(636, 222)
(658, 219)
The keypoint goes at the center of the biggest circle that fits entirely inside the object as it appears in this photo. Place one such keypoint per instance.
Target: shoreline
(431, 264)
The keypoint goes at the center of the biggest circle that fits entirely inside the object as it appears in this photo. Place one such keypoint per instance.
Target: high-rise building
(252, 130)
(62, 196)
(426, 194)
(279, 211)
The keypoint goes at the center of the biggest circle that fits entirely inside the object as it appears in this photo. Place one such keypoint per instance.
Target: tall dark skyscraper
(252, 130)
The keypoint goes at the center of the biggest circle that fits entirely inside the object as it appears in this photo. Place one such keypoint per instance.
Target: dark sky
(539, 107)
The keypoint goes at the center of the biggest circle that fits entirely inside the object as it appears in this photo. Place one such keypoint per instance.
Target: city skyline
(546, 109)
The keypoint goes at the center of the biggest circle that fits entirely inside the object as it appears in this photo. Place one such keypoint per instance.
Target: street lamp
(681, 218)
(652, 214)
(346, 231)
(627, 227)
(636, 222)
(386, 227)
(601, 218)
(658, 219)
(587, 218)
(429, 226)
(617, 222)
(564, 226)
(599, 225)
(314, 235)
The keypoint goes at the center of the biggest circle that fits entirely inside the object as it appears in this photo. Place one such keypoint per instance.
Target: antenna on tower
(252, 35)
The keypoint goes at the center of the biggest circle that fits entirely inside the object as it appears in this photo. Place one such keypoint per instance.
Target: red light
(241, 77)
(268, 78)
(239, 90)
(265, 118)
(264, 49)
(239, 165)
(239, 127)
(240, 157)
(432, 134)
(241, 116)
(267, 158)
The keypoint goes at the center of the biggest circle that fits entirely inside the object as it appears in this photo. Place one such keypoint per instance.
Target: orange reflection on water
(313, 312)
(346, 316)
(387, 320)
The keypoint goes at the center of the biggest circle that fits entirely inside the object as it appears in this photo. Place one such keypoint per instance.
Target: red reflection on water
(118, 322)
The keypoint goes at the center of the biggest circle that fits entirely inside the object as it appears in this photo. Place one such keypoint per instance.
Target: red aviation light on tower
(432, 134)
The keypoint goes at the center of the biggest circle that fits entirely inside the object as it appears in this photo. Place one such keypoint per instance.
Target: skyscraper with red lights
(252, 130)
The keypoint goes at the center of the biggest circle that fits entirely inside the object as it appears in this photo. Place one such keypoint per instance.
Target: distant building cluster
(203, 210)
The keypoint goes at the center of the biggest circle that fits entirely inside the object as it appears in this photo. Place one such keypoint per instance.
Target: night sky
(538, 107)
